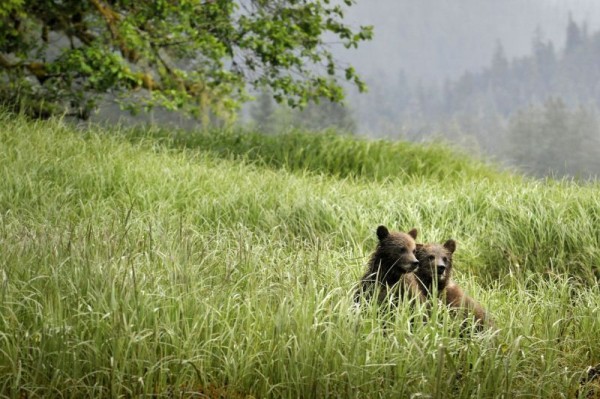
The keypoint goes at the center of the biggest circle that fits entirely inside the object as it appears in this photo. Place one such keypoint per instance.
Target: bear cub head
(435, 264)
(395, 254)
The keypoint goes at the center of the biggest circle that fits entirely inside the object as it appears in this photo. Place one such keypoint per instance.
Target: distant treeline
(538, 112)
(508, 86)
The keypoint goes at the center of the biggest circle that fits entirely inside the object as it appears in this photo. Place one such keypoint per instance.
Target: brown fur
(435, 275)
(392, 259)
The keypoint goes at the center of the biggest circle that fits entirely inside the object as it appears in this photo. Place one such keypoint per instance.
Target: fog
(437, 39)
(494, 76)
(516, 81)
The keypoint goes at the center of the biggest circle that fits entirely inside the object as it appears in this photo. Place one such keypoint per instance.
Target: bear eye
(414, 251)
(402, 250)
(431, 257)
(445, 259)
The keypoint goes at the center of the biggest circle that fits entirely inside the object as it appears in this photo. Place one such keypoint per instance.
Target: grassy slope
(134, 264)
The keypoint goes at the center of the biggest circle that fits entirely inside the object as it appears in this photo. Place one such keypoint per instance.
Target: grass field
(163, 264)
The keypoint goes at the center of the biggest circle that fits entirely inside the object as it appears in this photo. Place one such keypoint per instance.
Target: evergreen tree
(262, 111)
(544, 62)
(552, 139)
(500, 65)
(324, 115)
(574, 36)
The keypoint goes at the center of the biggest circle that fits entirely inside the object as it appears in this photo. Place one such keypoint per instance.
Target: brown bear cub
(394, 257)
(435, 272)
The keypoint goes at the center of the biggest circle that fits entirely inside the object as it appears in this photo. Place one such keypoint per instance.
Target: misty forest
(533, 106)
(243, 199)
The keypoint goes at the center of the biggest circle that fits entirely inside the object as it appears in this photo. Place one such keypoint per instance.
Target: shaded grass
(138, 269)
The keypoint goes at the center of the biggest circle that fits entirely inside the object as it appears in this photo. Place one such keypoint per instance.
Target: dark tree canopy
(198, 56)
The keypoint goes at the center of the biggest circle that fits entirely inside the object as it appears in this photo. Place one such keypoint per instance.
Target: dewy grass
(140, 269)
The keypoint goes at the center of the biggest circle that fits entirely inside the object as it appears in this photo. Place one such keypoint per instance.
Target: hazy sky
(435, 39)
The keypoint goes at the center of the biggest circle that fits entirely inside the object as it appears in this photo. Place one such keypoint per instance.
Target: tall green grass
(327, 152)
(131, 266)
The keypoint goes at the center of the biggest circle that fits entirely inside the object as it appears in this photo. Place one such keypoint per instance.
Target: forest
(537, 112)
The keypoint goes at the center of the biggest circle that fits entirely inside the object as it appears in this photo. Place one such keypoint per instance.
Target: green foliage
(194, 55)
(138, 268)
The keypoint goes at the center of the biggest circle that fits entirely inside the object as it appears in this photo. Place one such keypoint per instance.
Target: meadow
(149, 263)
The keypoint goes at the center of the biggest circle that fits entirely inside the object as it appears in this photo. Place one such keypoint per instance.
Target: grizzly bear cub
(394, 257)
(435, 271)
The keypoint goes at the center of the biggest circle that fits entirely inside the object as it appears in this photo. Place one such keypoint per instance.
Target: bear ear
(413, 233)
(450, 245)
(382, 232)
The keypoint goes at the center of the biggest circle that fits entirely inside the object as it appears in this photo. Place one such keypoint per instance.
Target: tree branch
(112, 18)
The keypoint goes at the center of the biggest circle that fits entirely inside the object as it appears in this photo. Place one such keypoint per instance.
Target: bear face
(435, 264)
(435, 270)
(395, 255)
(392, 260)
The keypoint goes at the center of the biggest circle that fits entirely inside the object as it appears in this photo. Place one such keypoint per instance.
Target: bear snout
(414, 265)
(441, 269)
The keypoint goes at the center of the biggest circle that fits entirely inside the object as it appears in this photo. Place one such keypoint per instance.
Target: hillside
(157, 263)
